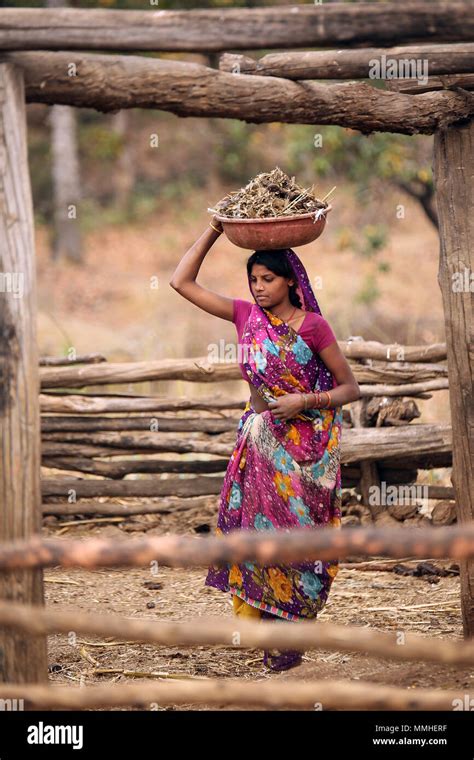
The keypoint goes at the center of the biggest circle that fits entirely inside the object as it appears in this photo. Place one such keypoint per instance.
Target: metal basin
(274, 233)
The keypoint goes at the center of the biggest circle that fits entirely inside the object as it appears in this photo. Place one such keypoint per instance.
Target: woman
(284, 471)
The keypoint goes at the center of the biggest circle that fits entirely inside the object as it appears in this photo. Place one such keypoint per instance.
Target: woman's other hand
(287, 406)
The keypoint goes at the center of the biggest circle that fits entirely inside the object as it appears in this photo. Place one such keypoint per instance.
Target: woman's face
(268, 288)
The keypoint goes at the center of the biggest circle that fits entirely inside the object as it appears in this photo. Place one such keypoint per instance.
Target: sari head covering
(282, 474)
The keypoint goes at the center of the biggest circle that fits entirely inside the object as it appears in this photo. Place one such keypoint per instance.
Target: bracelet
(215, 228)
(317, 397)
(305, 398)
(329, 399)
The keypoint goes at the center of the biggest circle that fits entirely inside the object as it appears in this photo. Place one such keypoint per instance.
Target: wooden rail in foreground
(315, 695)
(216, 631)
(265, 548)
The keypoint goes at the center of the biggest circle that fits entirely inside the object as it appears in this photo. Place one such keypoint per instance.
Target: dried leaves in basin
(269, 194)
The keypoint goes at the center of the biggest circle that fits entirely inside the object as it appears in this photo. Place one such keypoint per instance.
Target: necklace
(290, 318)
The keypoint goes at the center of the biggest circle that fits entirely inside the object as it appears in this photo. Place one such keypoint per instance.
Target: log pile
(101, 445)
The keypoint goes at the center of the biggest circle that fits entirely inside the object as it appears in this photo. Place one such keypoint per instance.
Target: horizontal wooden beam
(59, 361)
(126, 509)
(385, 443)
(262, 547)
(214, 631)
(357, 444)
(350, 479)
(202, 30)
(202, 369)
(356, 63)
(175, 424)
(350, 476)
(434, 83)
(110, 83)
(272, 694)
(410, 389)
(86, 403)
(393, 352)
(354, 347)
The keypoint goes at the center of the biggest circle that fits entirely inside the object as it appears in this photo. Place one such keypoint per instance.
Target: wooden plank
(453, 168)
(205, 30)
(22, 657)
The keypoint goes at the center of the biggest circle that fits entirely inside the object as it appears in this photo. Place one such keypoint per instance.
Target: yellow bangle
(215, 228)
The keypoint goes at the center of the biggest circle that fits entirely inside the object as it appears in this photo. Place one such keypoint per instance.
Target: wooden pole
(22, 657)
(111, 82)
(262, 547)
(273, 694)
(213, 29)
(216, 631)
(357, 443)
(203, 369)
(349, 64)
(453, 171)
(369, 474)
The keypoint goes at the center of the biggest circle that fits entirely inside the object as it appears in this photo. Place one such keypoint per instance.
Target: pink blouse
(315, 330)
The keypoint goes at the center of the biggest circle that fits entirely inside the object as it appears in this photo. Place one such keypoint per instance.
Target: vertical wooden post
(453, 169)
(369, 473)
(22, 658)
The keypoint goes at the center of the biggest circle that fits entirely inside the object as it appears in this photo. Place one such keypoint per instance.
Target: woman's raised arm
(184, 277)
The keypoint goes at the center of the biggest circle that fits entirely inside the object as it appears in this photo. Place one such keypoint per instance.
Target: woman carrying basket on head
(284, 471)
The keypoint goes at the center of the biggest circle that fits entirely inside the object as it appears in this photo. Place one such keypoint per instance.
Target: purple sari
(282, 474)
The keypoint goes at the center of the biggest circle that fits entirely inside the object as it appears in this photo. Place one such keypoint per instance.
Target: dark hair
(279, 265)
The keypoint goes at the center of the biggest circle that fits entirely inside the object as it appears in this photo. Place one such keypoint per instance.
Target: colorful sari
(282, 474)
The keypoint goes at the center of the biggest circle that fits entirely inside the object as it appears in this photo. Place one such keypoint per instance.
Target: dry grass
(270, 194)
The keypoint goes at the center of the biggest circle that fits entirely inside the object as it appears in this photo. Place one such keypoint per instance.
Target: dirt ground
(381, 600)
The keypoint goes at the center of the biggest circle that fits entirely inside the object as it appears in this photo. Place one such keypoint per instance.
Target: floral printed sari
(282, 475)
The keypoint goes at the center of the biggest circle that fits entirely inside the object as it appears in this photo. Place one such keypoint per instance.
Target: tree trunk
(66, 184)
(125, 166)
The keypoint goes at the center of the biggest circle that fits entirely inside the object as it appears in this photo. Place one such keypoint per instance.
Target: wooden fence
(297, 545)
(94, 433)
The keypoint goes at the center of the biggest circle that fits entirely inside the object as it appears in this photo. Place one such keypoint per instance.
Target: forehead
(260, 270)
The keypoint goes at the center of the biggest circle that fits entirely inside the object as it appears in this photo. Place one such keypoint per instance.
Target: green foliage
(374, 237)
(368, 292)
(238, 151)
(100, 143)
(329, 151)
